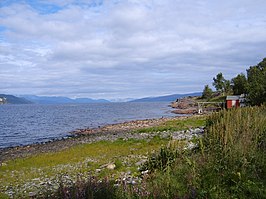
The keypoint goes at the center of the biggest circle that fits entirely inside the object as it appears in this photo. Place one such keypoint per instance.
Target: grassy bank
(21, 174)
(229, 163)
(176, 125)
(43, 173)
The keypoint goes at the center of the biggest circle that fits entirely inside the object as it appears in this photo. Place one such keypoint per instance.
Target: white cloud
(131, 48)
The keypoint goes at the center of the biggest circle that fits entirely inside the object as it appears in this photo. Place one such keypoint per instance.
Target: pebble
(3, 164)
(140, 162)
(145, 172)
(32, 194)
(111, 166)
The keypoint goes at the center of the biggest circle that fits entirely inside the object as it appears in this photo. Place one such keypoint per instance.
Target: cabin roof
(232, 97)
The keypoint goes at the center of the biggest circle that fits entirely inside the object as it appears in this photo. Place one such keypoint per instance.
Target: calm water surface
(27, 124)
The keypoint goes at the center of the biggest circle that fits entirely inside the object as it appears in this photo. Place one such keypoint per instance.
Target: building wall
(228, 103)
(232, 103)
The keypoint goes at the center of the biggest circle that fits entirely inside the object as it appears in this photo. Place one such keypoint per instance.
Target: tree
(207, 92)
(218, 82)
(227, 86)
(256, 76)
(221, 84)
(239, 84)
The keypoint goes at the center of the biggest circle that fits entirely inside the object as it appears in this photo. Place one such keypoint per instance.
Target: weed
(161, 161)
(118, 164)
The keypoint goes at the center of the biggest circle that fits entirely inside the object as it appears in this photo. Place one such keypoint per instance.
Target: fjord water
(33, 123)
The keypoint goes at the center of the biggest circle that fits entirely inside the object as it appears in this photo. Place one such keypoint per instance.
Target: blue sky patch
(41, 7)
(44, 8)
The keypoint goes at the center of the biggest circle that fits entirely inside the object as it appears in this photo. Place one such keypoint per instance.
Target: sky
(118, 49)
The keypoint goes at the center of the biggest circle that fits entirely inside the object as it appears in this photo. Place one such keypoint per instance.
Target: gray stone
(140, 162)
(111, 166)
(145, 172)
(98, 170)
(32, 194)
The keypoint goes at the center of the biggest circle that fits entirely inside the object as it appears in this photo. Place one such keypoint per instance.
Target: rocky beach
(146, 135)
(81, 136)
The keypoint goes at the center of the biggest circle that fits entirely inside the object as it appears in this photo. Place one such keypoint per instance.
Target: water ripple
(27, 124)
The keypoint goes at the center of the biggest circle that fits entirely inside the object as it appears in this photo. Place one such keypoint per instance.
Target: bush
(234, 145)
(161, 161)
(90, 189)
(231, 162)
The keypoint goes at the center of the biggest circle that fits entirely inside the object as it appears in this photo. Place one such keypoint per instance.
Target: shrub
(230, 164)
(234, 153)
(92, 188)
(165, 158)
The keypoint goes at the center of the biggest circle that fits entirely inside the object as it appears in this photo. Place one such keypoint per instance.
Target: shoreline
(83, 136)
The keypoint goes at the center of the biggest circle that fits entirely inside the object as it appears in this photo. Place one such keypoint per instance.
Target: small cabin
(235, 101)
(232, 101)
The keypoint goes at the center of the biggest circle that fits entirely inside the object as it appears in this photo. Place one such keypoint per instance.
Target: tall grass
(234, 154)
(230, 161)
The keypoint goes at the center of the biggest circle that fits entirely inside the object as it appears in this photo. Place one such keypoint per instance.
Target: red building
(233, 101)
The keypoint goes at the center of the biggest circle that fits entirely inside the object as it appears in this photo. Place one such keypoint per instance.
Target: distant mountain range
(61, 100)
(33, 99)
(166, 98)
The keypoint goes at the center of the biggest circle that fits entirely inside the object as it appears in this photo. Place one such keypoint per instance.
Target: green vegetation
(256, 77)
(25, 174)
(221, 84)
(254, 85)
(239, 84)
(229, 163)
(79, 160)
(234, 146)
(207, 92)
(176, 125)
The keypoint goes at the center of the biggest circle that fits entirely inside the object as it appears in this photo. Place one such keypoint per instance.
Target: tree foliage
(221, 84)
(256, 77)
(254, 85)
(207, 92)
(239, 84)
(227, 86)
(218, 82)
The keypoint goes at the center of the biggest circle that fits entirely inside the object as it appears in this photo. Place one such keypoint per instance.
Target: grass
(230, 161)
(218, 99)
(80, 159)
(25, 174)
(235, 146)
(176, 125)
